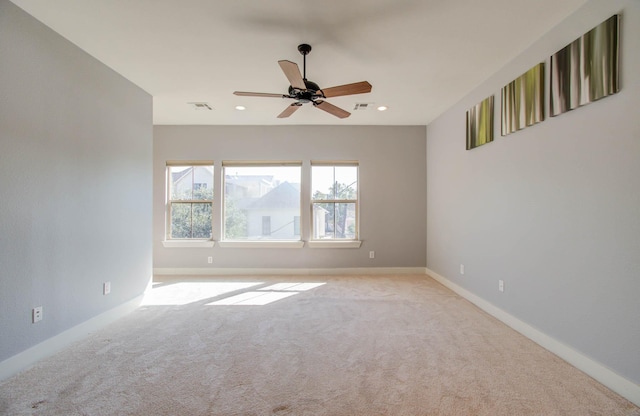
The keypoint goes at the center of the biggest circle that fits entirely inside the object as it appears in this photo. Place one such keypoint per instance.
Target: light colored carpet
(355, 345)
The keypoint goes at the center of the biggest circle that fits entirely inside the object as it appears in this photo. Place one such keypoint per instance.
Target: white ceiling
(421, 56)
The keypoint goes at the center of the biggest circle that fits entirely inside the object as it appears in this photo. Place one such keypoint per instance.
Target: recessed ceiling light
(241, 108)
(382, 108)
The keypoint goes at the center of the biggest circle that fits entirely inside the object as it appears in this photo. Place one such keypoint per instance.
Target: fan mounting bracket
(304, 49)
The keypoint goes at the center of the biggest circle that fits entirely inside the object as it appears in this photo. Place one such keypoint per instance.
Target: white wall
(392, 187)
(75, 184)
(553, 210)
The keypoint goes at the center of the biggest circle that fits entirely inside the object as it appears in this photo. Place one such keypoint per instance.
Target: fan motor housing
(307, 95)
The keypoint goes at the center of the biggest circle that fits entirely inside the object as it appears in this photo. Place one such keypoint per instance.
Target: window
(261, 201)
(334, 200)
(190, 200)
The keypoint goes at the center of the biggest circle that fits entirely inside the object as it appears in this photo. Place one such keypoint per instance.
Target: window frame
(335, 242)
(169, 240)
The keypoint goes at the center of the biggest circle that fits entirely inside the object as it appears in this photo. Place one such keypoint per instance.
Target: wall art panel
(480, 123)
(587, 69)
(523, 100)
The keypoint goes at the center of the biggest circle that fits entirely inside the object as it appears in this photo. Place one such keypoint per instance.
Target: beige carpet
(392, 345)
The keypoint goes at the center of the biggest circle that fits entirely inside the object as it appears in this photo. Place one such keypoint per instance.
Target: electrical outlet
(36, 314)
(209, 259)
(501, 285)
(462, 269)
(372, 254)
(106, 288)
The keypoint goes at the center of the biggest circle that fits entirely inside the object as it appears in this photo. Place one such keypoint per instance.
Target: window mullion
(334, 201)
(335, 220)
(191, 221)
(169, 222)
(191, 201)
(193, 180)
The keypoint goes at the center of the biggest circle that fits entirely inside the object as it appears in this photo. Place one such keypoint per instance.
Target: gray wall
(553, 210)
(75, 183)
(392, 191)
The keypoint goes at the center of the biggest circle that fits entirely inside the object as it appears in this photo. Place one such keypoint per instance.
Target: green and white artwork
(587, 69)
(480, 123)
(523, 101)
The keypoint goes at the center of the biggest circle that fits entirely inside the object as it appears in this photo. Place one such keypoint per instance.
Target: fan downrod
(304, 49)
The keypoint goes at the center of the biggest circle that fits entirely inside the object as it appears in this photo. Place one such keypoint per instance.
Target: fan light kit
(304, 91)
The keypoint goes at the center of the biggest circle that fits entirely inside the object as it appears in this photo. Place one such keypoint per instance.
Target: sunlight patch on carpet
(266, 295)
(294, 287)
(253, 298)
(184, 293)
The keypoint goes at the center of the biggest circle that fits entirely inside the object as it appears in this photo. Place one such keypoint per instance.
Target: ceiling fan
(304, 91)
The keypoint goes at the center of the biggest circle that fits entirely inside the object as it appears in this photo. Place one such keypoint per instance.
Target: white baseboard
(27, 358)
(615, 382)
(211, 271)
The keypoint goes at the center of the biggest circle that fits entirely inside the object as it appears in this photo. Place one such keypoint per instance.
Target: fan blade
(332, 109)
(290, 110)
(348, 89)
(259, 94)
(292, 72)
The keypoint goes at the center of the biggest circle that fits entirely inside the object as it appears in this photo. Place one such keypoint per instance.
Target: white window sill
(334, 244)
(261, 244)
(188, 243)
